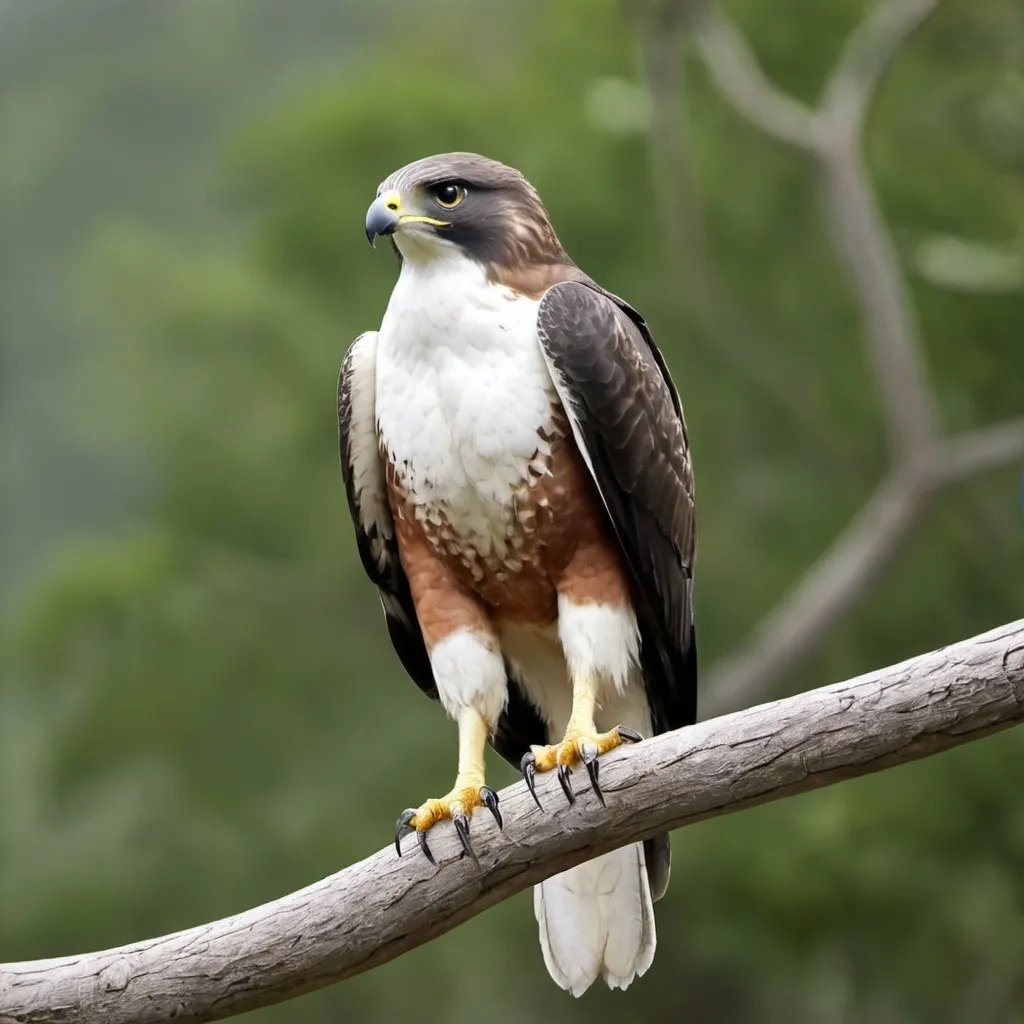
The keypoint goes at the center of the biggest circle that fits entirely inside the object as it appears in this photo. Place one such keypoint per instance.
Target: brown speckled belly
(553, 537)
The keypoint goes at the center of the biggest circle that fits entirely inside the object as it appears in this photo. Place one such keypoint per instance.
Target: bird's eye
(449, 196)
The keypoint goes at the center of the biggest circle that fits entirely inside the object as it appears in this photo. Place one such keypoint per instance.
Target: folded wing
(627, 420)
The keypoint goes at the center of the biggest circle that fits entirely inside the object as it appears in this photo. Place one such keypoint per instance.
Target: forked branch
(921, 460)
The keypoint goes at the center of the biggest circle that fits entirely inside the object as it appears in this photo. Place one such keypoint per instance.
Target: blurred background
(196, 683)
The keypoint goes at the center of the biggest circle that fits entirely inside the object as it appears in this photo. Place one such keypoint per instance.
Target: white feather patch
(470, 672)
(599, 640)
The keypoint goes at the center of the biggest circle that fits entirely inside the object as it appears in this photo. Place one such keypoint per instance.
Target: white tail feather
(597, 919)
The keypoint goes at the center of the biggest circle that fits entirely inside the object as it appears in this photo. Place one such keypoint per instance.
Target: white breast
(462, 393)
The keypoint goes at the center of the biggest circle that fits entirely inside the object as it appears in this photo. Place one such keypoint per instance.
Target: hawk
(518, 472)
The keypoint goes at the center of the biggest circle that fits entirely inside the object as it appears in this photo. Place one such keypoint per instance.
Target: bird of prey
(518, 473)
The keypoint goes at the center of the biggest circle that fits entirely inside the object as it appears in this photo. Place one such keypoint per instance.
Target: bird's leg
(469, 672)
(468, 793)
(582, 743)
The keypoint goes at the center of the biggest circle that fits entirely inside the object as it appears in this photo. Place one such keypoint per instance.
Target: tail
(597, 919)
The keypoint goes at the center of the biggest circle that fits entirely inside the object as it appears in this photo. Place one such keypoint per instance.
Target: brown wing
(628, 423)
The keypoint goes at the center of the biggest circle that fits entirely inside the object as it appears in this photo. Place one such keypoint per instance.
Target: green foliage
(201, 709)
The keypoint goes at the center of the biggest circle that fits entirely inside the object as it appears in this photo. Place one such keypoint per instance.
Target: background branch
(859, 234)
(736, 72)
(838, 580)
(980, 450)
(375, 910)
(866, 56)
(827, 593)
(920, 460)
(863, 244)
(723, 325)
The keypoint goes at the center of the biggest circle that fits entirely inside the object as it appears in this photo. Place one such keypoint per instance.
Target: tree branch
(920, 460)
(859, 233)
(722, 323)
(736, 72)
(839, 578)
(866, 57)
(862, 242)
(981, 450)
(825, 595)
(375, 910)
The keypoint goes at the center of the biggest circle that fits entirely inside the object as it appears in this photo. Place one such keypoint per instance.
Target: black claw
(591, 764)
(490, 800)
(563, 777)
(528, 766)
(461, 823)
(421, 838)
(628, 735)
(403, 828)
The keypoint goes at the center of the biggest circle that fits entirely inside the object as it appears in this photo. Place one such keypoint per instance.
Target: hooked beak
(383, 216)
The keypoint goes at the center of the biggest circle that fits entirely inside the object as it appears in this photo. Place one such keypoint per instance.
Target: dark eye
(449, 196)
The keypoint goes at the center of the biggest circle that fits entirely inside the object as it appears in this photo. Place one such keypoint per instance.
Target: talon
(458, 807)
(490, 800)
(528, 766)
(403, 828)
(591, 763)
(421, 837)
(461, 823)
(578, 746)
(563, 777)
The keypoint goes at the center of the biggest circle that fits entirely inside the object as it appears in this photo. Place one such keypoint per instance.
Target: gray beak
(381, 217)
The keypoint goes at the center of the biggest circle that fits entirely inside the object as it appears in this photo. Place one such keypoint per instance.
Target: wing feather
(627, 420)
(362, 469)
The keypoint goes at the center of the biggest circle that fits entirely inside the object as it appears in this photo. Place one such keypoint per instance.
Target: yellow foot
(577, 747)
(458, 805)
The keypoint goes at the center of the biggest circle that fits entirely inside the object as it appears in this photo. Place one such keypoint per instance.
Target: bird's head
(462, 202)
